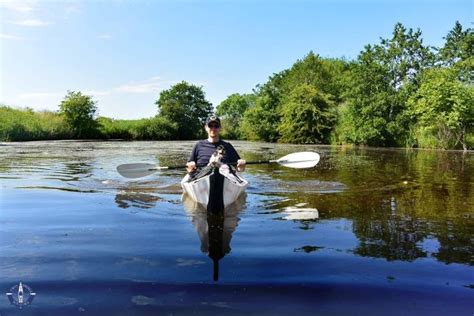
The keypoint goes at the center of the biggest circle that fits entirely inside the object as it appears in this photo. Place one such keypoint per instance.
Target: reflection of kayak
(214, 188)
(214, 229)
(194, 208)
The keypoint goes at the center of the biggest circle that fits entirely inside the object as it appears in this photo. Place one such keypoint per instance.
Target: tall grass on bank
(25, 125)
(157, 128)
(22, 125)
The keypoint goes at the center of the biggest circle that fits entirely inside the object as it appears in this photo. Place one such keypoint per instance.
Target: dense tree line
(399, 92)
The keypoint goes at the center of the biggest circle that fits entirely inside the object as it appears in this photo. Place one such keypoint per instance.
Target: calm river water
(367, 231)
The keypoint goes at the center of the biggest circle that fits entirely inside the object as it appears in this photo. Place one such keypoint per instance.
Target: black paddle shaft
(256, 162)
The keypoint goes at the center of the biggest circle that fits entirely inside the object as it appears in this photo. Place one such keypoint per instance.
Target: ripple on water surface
(362, 228)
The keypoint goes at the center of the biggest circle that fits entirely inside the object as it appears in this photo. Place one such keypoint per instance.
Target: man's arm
(234, 156)
(191, 164)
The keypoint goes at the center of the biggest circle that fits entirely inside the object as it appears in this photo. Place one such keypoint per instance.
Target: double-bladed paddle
(299, 160)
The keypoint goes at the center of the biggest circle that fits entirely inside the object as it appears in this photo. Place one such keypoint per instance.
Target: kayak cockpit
(214, 187)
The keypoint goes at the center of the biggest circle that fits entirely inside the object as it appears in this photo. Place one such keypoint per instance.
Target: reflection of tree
(141, 195)
(398, 202)
(214, 229)
(136, 199)
(456, 243)
(392, 238)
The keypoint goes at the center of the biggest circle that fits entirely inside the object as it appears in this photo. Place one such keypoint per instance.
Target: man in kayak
(204, 150)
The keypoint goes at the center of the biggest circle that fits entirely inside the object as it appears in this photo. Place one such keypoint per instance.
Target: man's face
(213, 129)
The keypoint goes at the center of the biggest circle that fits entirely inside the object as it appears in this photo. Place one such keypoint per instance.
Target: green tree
(406, 58)
(365, 117)
(444, 109)
(459, 45)
(458, 52)
(79, 111)
(232, 110)
(324, 73)
(261, 121)
(185, 104)
(405, 55)
(382, 80)
(309, 70)
(308, 116)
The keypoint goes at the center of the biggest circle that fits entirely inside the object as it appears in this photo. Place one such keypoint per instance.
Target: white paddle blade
(136, 170)
(300, 160)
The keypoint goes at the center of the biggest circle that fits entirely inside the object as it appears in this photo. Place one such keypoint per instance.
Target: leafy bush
(157, 128)
(78, 111)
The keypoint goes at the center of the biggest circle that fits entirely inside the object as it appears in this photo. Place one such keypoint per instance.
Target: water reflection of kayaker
(204, 149)
(214, 229)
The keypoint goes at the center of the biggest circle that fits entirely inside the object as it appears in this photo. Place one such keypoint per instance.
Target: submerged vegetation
(399, 92)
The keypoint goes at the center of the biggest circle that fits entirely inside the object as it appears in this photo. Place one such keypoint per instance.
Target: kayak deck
(214, 188)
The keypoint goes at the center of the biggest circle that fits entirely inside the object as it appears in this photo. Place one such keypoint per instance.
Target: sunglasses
(214, 126)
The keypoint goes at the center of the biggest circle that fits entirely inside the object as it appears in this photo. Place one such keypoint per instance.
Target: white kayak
(215, 188)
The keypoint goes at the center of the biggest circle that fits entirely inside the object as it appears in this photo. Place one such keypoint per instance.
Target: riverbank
(27, 125)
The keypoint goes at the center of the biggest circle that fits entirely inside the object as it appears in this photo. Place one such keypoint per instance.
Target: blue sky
(124, 52)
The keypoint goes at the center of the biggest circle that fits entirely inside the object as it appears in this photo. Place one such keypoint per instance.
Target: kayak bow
(214, 188)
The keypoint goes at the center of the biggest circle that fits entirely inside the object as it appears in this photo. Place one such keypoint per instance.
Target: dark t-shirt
(203, 150)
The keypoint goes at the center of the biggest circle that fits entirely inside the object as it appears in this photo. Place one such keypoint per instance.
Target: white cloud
(21, 6)
(36, 13)
(31, 22)
(96, 93)
(11, 37)
(151, 85)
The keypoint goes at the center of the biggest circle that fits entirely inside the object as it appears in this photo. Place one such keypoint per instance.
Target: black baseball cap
(213, 118)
